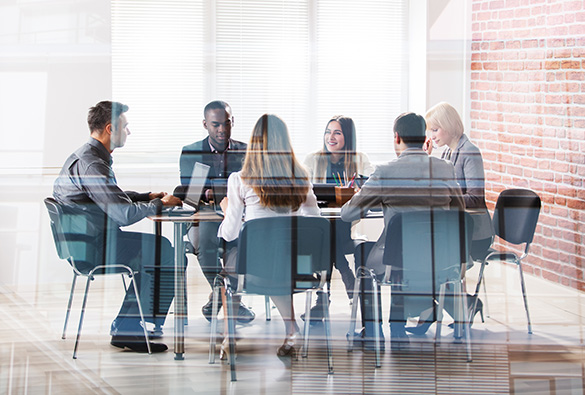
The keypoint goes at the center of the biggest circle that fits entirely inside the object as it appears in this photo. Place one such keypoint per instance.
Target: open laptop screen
(198, 177)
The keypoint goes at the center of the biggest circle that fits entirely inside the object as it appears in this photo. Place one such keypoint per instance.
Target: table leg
(156, 308)
(179, 292)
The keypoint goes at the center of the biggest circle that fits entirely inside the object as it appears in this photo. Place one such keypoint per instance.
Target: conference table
(180, 224)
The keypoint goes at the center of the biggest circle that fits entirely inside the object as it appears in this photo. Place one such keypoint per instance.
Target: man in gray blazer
(413, 181)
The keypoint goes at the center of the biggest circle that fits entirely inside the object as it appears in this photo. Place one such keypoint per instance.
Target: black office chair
(278, 256)
(77, 249)
(425, 251)
(515, 218)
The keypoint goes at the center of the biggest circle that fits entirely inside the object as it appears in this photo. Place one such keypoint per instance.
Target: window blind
(302, 60)
(361, 67)
(262, 62)
(158, 70)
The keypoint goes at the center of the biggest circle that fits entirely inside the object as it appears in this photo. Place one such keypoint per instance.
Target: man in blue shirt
(95, 206)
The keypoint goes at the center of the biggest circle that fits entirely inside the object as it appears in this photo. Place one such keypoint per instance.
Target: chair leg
(69, 305)
(354, 304)
(268, 307)
(141, 312)
(124, 282)
(376, 320)
(485, 298)
(524, 296)
(213, 334)
(457, 327)
(480, 280)
(307, 324)
(81, 317)
(463, 318)
(328, 336)
(186, 310)
(440, 313)
(231, 332)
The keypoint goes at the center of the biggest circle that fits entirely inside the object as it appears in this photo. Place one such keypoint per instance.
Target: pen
(352, 180)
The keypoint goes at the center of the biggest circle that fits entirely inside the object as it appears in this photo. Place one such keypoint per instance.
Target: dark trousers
(367, 295)
(207, 253)
(138, 251)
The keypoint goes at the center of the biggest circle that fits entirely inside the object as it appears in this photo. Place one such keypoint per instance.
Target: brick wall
(528, 118)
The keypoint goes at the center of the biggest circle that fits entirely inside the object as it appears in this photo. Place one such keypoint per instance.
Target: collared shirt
(219, 159)
(87, 187)
(221, 164)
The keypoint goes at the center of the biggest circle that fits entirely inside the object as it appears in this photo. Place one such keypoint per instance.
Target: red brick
(530, 43)
(532, 65)
(506, 14)
(560, 167)
(571, 64)
(557, 31)
(563, 53)
(576, 204)
(557, 19)
(573, 5)
(549, 254)
(513, 44)
(476, 66)
(490, 65)
(576, 111)
(556, 42)
(575, 75)
(559, 212)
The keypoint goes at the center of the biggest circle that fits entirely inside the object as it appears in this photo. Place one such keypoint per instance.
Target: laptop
(194, 190)
(219, 190)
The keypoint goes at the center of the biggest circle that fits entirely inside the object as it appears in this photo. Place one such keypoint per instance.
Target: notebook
(325, 194)
(193, 194)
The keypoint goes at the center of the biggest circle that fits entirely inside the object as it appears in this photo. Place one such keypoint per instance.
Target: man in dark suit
(224, 156)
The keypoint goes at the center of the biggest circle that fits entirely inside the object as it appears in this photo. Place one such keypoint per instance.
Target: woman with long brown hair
(338, 159)
(271, 183)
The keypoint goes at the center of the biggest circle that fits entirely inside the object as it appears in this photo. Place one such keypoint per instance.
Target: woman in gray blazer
(446, 129)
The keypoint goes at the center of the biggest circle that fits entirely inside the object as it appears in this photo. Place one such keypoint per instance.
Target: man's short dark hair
(216, 105)
(411, 128)
(103, 113)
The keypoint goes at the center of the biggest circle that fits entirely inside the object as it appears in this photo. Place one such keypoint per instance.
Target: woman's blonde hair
(349, 152)
(446, 117)
(271, 168)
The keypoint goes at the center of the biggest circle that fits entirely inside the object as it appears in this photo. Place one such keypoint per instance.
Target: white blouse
(244, 203)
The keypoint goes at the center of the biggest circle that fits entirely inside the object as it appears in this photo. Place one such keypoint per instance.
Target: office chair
(77, 249)
(278, 256)
(425, 252)
(515, 218)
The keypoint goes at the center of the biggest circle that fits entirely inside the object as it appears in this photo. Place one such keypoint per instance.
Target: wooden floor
(506, 359)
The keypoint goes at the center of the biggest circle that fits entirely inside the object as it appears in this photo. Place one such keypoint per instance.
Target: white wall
(448, 53)
(54, 62)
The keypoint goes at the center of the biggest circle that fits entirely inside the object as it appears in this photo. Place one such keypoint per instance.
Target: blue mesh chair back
(279, 255)
(426, 248)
